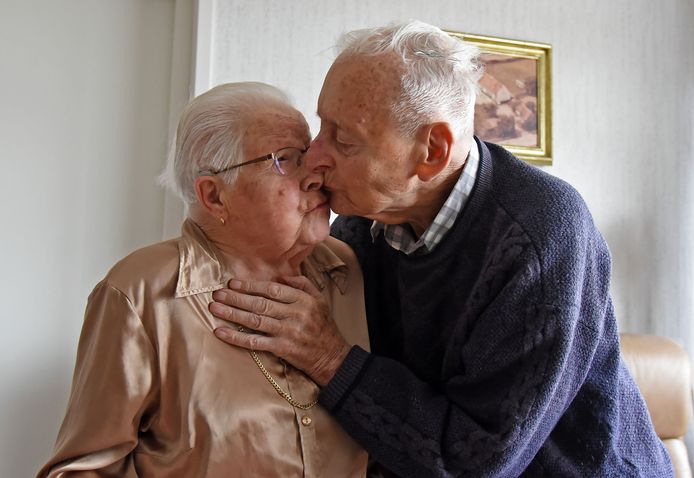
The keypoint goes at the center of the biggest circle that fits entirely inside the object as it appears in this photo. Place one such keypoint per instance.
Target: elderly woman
(155, 393)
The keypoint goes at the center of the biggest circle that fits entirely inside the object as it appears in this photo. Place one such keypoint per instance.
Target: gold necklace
(276, 386)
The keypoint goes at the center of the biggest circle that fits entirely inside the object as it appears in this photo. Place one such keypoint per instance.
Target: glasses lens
(288, 160)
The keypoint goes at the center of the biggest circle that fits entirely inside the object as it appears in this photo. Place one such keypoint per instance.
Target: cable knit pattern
(390, 430)
(497, 354)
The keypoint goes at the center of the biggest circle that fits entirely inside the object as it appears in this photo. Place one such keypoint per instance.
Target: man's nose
(314, 164)
(313, 181)
(317, 158)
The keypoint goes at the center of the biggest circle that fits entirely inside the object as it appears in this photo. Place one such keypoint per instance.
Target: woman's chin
(318, 232)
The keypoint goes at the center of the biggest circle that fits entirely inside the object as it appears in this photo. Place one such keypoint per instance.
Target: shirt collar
(201, 270)
(401, 236)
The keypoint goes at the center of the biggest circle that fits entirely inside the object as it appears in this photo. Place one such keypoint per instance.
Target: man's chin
(340, 207)
(344, 207)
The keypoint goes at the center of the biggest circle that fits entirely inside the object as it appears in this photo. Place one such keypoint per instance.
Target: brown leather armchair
(662, 371)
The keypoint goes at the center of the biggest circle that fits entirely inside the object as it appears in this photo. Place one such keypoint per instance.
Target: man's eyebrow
(339, 127)
(331, 122)
(324, 119)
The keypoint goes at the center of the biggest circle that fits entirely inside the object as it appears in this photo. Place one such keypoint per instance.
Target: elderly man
(494, 343)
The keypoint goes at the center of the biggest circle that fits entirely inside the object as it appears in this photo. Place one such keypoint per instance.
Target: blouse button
(306, 420)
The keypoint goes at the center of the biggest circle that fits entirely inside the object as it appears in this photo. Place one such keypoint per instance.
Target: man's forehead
(365, 73)
(360, 86)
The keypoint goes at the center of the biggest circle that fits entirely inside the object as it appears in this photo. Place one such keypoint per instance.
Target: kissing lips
(321, 206)
(321, 203)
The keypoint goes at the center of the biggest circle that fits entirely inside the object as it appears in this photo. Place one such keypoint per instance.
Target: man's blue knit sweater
(497, 354)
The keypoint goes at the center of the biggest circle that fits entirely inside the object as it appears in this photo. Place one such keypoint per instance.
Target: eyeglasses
(285, 161)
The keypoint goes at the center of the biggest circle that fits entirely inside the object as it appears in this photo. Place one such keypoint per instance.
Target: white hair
(439, 72)
(210, 133)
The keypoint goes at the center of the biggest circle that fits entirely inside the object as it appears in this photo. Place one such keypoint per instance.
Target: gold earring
(221, 219)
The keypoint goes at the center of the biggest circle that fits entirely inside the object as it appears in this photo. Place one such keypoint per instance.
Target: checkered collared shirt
(401, 237)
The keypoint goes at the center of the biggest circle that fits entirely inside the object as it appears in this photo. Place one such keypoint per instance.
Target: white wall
(623, 82)
(85, 91)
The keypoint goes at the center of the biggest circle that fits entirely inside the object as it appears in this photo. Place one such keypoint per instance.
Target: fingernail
(219, 295)
(234, 284)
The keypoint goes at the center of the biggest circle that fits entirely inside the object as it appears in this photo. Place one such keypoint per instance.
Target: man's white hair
(211, 130)
(439, 72)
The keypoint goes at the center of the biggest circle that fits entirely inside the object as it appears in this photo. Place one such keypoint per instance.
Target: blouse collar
(200, 268)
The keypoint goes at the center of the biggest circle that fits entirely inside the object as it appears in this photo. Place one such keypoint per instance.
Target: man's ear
(208, 190)
(439, 142)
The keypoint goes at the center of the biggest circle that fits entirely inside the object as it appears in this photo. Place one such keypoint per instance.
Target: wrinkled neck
(256, 258)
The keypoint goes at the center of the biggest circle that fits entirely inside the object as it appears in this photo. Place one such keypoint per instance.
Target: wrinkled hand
(294, 319)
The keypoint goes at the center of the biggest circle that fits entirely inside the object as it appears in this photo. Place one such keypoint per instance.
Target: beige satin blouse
(156, 394)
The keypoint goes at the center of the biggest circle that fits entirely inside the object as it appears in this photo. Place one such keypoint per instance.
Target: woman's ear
(209, 191)
(439, 142)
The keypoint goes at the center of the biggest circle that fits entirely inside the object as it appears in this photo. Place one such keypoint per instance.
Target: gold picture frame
(514, 104)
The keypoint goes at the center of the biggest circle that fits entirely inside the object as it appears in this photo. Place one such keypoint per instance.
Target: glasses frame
(274, 157)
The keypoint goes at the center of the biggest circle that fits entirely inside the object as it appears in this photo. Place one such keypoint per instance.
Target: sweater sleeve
(516, 365)
(112, 385)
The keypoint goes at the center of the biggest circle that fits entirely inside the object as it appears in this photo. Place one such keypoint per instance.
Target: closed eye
(344, 146)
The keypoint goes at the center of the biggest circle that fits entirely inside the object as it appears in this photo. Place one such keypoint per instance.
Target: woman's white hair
(439, 72)
(210, 133)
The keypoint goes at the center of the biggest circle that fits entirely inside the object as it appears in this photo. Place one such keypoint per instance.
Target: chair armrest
(662, 372)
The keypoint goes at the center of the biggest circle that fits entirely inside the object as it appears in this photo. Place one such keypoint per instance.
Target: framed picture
(514, 102)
